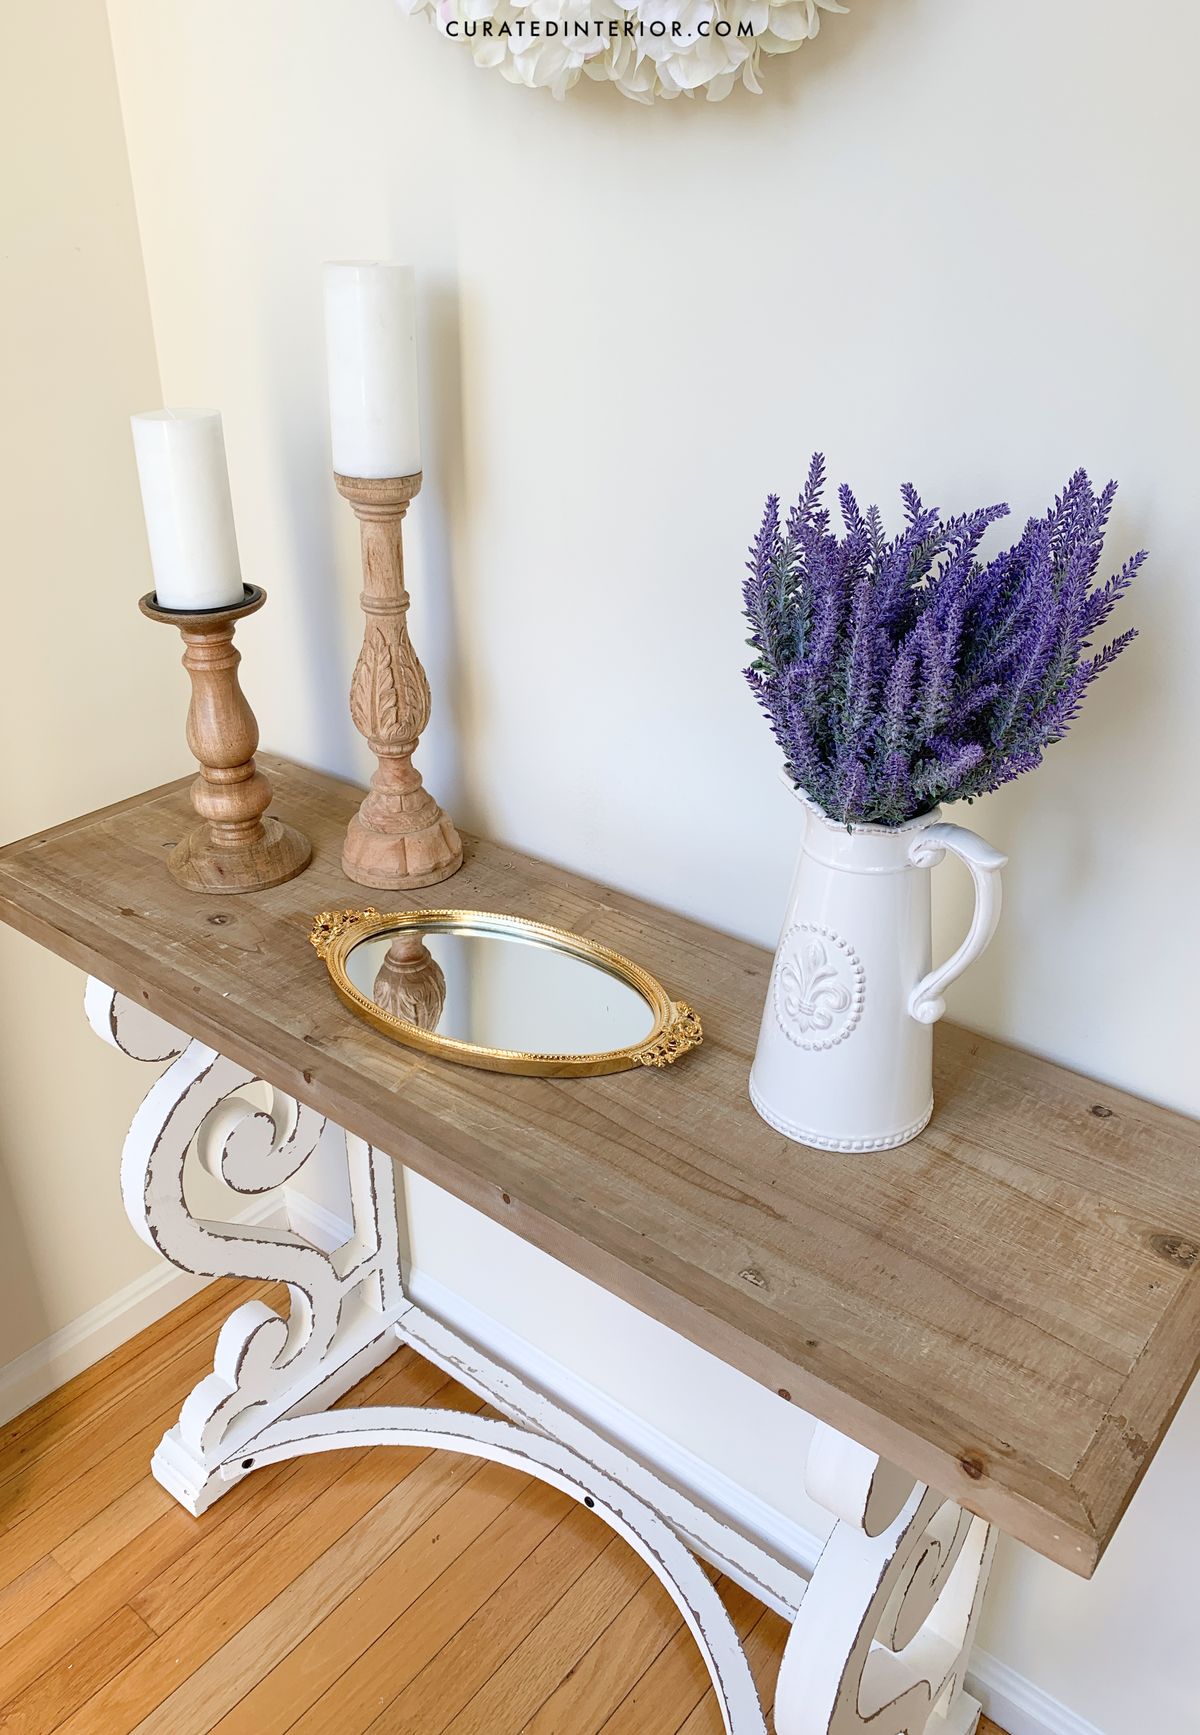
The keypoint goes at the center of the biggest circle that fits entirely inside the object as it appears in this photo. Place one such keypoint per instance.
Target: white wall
(952, 243)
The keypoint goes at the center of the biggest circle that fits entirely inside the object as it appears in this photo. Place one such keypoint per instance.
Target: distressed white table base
(880, 1633)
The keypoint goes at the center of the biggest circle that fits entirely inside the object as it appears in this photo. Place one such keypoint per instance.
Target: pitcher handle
(926, 1003)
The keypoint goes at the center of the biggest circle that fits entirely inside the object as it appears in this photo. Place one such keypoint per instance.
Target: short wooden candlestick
(236, 848)
(399, 839)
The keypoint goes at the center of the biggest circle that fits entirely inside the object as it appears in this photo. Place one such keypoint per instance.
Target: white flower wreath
(647, 48)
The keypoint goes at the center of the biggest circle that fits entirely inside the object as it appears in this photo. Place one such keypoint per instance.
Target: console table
(993, 1325)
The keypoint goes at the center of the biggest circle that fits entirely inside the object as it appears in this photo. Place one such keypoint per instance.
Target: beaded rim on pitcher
(931, 817)
(819, 1141)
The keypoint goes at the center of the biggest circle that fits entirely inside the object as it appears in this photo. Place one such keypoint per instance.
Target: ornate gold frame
(676, 1027)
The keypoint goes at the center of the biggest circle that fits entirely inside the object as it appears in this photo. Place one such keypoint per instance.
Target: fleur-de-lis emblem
(812, 994)
(818, 987)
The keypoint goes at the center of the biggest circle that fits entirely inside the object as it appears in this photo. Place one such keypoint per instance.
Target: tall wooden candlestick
(399, 838)
(238, 847)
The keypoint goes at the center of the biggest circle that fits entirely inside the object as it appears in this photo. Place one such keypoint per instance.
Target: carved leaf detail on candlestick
(413, 681)
(410, 983)
(400, 837)
(389, 694)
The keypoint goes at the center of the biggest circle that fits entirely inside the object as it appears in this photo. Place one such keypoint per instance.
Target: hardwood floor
(396, 1592)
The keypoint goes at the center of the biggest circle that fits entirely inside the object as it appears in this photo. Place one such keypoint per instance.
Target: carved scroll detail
(881, 1638)
(341, 1301)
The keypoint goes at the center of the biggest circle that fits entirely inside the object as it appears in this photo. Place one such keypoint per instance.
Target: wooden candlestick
(399, 838)
(410, 983)
(235, 848)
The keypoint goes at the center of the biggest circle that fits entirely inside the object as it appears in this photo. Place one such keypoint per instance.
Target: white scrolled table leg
(884, 1627)
(881, 1639)
(343, 1304)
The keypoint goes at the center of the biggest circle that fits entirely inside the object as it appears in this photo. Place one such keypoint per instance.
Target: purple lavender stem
(896, 674)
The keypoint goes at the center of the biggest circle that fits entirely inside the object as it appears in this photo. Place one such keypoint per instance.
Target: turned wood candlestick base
(400, 838)
(238, 847)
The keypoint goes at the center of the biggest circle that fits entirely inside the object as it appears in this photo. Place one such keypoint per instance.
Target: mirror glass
(495, 988)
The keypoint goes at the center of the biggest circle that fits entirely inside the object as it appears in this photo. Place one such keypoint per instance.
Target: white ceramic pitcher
(845, 1051)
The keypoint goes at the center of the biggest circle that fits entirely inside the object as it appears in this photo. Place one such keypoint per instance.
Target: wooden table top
(1009, 1306)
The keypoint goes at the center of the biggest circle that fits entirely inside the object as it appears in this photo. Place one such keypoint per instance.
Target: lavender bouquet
(897, 674)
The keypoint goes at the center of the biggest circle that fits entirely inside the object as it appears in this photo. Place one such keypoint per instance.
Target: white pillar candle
(189, 514)
(371, 338)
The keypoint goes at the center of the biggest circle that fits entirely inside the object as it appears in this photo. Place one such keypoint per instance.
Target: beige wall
(86, 683)
(954, 243)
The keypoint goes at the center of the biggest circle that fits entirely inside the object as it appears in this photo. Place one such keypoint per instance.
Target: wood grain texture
(400, 837)
(388, 1590)
(237, 847)
(1009, 1306)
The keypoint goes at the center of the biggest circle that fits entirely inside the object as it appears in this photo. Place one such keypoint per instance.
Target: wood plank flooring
(386, 1592)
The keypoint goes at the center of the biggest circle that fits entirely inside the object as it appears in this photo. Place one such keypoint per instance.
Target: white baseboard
(1014, 1702)
(682, 1468)
(59, 1357)
(1017, 1705)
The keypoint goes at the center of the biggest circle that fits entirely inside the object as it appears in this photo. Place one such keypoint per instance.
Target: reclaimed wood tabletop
(1008, 1306)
